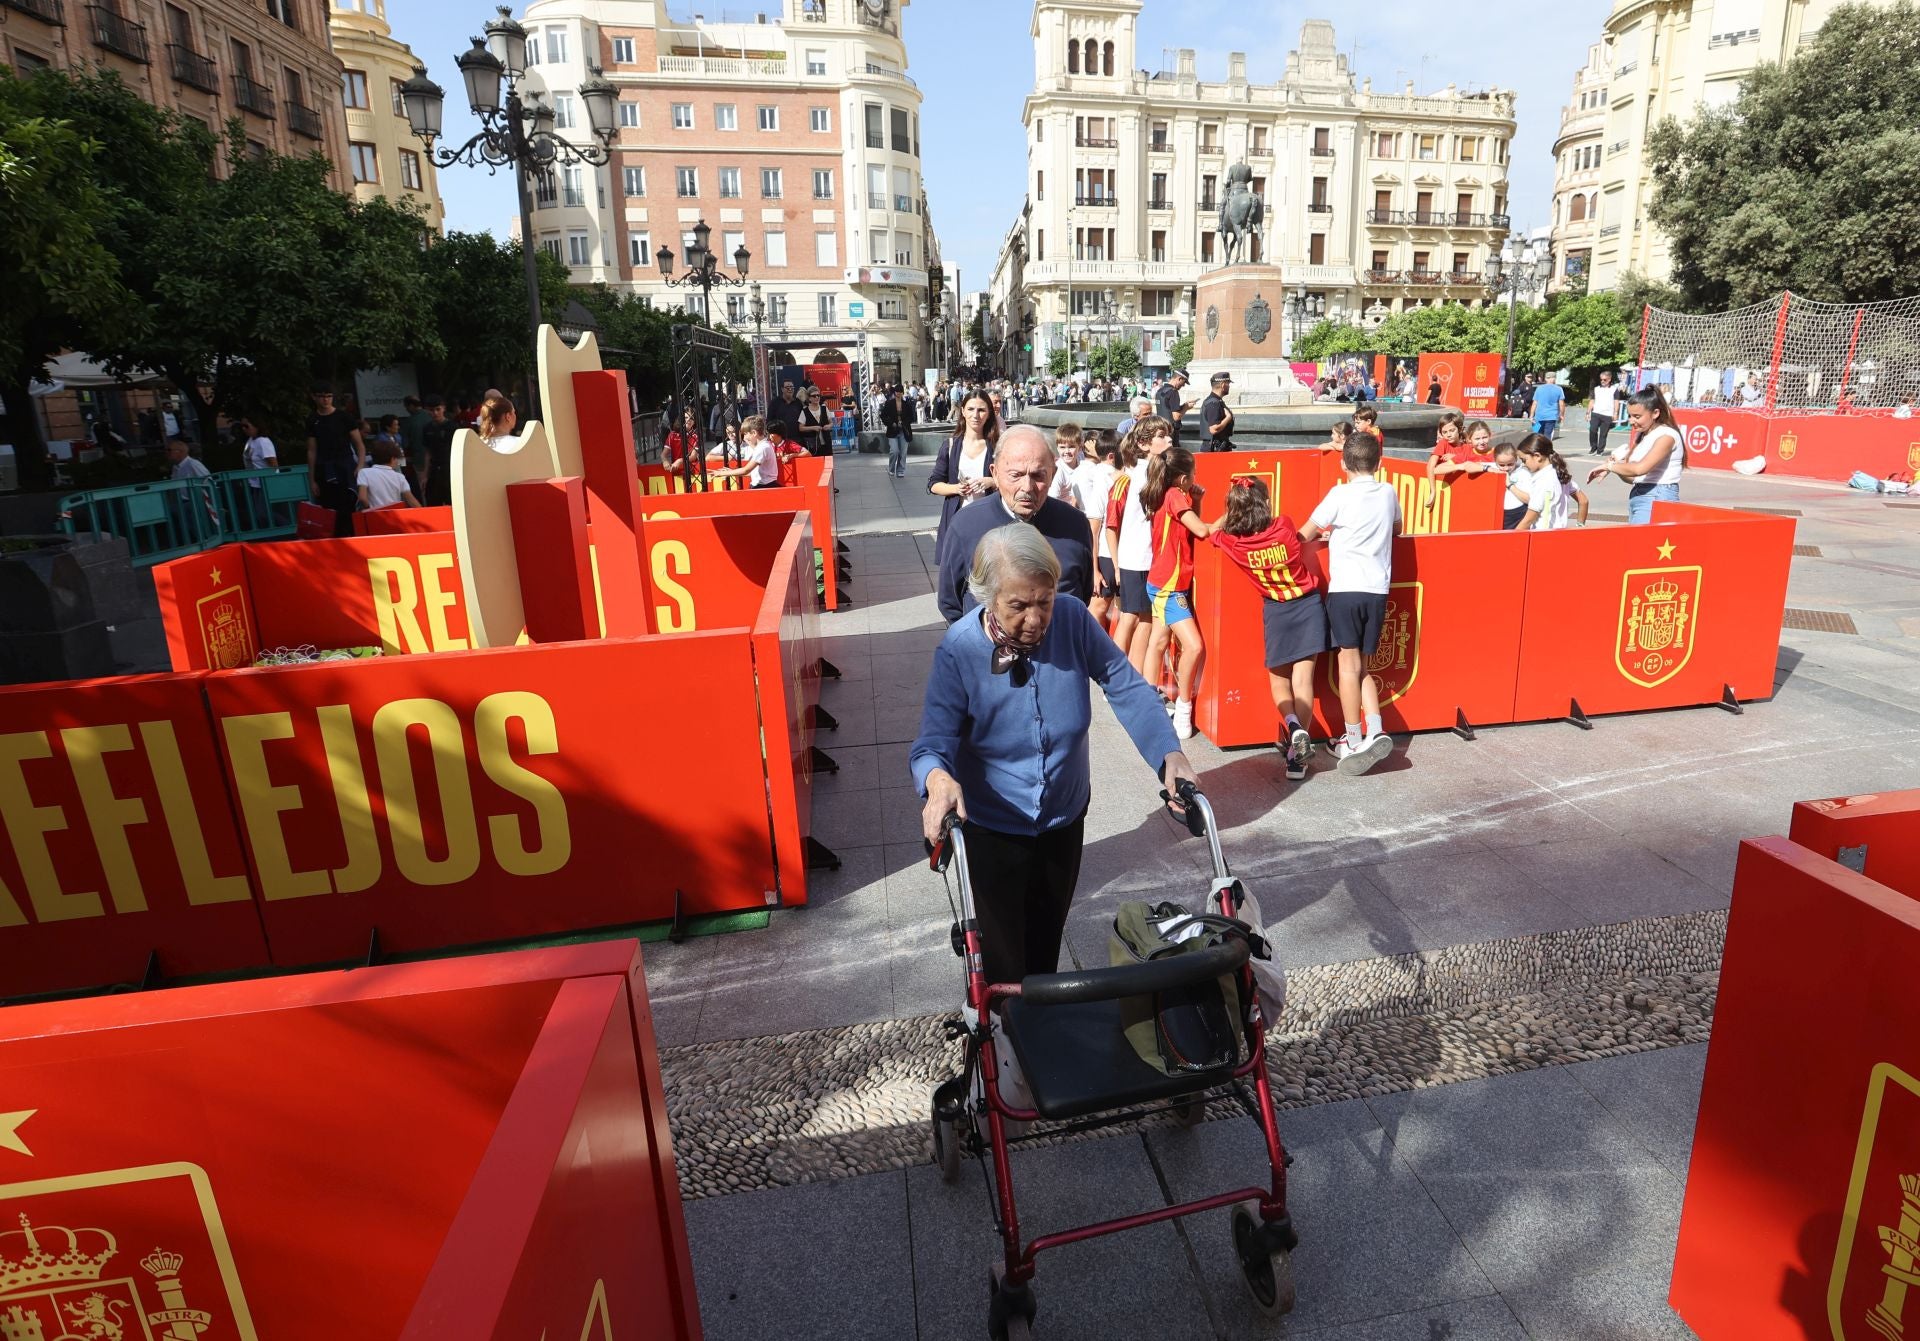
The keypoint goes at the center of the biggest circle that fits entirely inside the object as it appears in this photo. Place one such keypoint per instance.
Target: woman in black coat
(963, 471)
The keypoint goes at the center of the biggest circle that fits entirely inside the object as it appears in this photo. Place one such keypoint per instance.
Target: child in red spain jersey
(1267, 549)
(1459, 451)
(1169, 498)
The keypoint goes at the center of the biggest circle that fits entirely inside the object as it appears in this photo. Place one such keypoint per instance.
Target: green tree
(478, 294)
(1114, 358)
(60, 279)
(1328, 338)
(1806, 180)
(1059, 361)
(1182, 352)
(1582, 334)
(977, 334)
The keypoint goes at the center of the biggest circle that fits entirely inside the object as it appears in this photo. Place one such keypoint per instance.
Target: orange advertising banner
(1810, 446)
(1802, 1211)
(121, 841)
(1298, 478)
(539, 788)
(665, 494)
(1469, 383)
(401, 593)
(502, 1111)
(1627, 618)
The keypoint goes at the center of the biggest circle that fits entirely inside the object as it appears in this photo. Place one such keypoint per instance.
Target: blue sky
(974, 62)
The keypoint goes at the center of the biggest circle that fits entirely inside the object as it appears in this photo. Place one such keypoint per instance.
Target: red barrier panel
(1803, 1195)
(1622, 619)
(665, 494)
(402, 521)
(1809, 446)
(206, 608)
(476, 1149)
(1877, 835)
(538, 788)
(120, 839)
(399, 592)
(1298, 478)
(786, 643)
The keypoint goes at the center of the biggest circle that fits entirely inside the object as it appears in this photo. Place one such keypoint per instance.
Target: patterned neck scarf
(1008, 657)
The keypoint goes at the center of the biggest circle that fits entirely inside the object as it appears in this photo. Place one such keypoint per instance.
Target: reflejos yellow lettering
(672, 554)
(555, 839)
(108, 816)
(262, 803)
(396, 601)
(27, 828)
(183, 824)
(448, 753)
(350, 799)
(438, 601)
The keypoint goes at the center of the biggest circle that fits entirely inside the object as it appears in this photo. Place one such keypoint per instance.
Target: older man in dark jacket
(1023, 469)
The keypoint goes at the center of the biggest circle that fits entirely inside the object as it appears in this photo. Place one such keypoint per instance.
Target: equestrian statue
(1241, 212)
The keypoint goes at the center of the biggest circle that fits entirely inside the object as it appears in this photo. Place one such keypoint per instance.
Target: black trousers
(343, 498)
(1022, 887)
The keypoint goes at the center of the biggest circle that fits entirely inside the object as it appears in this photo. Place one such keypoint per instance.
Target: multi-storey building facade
(1374, 202)
(383, 157)
(267, 63)
(1577, 152)
(1669, 59)
(797, 137)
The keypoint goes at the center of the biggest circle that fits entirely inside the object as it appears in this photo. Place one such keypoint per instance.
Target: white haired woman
(1004, 743)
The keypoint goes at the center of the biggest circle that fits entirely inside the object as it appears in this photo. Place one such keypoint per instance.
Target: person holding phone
(1170, 403)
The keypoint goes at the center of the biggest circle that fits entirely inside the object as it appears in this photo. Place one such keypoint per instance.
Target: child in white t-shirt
(761, 468)
(381, 485)
(1360, 519)
(1550, 490)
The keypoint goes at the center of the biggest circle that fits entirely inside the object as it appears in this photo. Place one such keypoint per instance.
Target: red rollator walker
(1067, 1031)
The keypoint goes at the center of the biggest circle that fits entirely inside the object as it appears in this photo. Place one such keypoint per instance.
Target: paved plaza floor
(1503, 955)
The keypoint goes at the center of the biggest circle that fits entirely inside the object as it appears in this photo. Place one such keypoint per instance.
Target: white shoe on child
(1183, 719)
(1354, 760)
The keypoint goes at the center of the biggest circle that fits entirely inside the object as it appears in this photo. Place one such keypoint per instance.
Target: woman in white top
(960, 471)
(1550, 491)
(496, 422)
(1654, 459)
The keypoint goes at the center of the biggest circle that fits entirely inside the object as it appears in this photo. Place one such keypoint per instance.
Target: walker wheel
(1189, 1112)
(1010, 1311)
(1268, 1272)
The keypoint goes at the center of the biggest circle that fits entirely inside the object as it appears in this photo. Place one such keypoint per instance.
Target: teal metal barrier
(168, 518)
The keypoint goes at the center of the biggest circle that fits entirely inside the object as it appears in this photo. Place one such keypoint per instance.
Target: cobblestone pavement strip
(767, 1112)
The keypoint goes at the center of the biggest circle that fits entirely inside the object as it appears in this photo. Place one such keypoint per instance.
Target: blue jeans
(897, 453)
(1640, 499)
(1547, 427)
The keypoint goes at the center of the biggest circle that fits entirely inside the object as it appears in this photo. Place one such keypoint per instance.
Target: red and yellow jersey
(1117, 500)
(1172, 543)
(1460, 453)
(1272, 559)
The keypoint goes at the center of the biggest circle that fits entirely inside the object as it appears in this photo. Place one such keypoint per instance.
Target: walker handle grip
(940, 853)
(1183, 793)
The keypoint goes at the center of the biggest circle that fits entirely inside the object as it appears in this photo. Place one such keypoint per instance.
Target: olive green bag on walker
(1194, 1028)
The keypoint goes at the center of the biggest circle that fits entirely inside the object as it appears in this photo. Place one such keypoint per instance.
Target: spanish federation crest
(1259, 319)
(1213, 323)
(1396, 662)
(1659, 608)
(1874, 1291)
(1789, 446)
(1913, 456)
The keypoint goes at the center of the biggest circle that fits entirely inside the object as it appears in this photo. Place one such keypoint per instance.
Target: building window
(1040, 185)
(1317, 249)
(410, 171)
(820, 119)
(1422, 263)
(903, 249)
(770, 183)
(1259, 140)
(1469, 148)
(1210, 138)
(769, 118)
(563, 111)
(1206, 247)
(556, 46)
(573, 187)
(826, 310)
(826, 250)
(634, 181)
(629, 114)
(776, 250)
(683, 116)
(687, 181)
(877, 246)
(823, 183)
(1386, 144)
(533, 41)
(729, 184)
(353, 88)
(1157, 197)
(892, 309)
(731, 242)
(1426, 147)
(1460, 263)
(777, 308)
(366, 164)
(1039, 244)
(623, 51)
(736, 309)
(876, 120)
(578, 250)
(902, 136)
(283, 11)
(1382, 205)
(550, 245)
(639, 251)
(725, 117)
(1158, 139)
(1157, 250)
(1322, 142)
(395, 98)
(816, 61)
(1380, 261)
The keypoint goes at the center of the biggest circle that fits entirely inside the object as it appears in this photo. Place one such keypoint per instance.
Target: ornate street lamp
(703, 268)
(1515, 268)
(515, 132)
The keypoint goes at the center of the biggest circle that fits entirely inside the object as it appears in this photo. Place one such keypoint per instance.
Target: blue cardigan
(1021, 755)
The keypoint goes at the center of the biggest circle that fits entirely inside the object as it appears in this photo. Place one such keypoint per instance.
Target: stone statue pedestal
(1236, 330)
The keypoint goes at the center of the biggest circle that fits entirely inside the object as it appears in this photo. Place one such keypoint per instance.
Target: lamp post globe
(424, 101)
(482, 72)
(507, 40)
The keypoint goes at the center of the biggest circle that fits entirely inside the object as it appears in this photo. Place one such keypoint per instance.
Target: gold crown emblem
(16, 1324)
(1658, 593)
(158, 1263)
(1910, 1184)
(26, 1261)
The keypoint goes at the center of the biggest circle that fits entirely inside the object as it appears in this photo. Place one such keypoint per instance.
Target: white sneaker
(1357, 759)
(1183, 719)
(1300, 742)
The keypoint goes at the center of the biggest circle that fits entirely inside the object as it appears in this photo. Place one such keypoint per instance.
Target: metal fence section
(169, 518)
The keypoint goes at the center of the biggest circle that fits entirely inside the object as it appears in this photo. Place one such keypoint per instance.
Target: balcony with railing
(1321, 151)
(1160, 144)
(193, 69)
(1260, 151)
(885, 72)
(876, 200)
(253, 95)
(1383, 276)
(1091, 142)
(876, 140)
(1099, 200)
(1208, 204)
(1319, 207)
(1438, 218)
(573, 197)
(1426, 277)
(118, 34)
(905, 205)
(48, 11)
(724, 67)
(304, 120)
(1159, 203)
